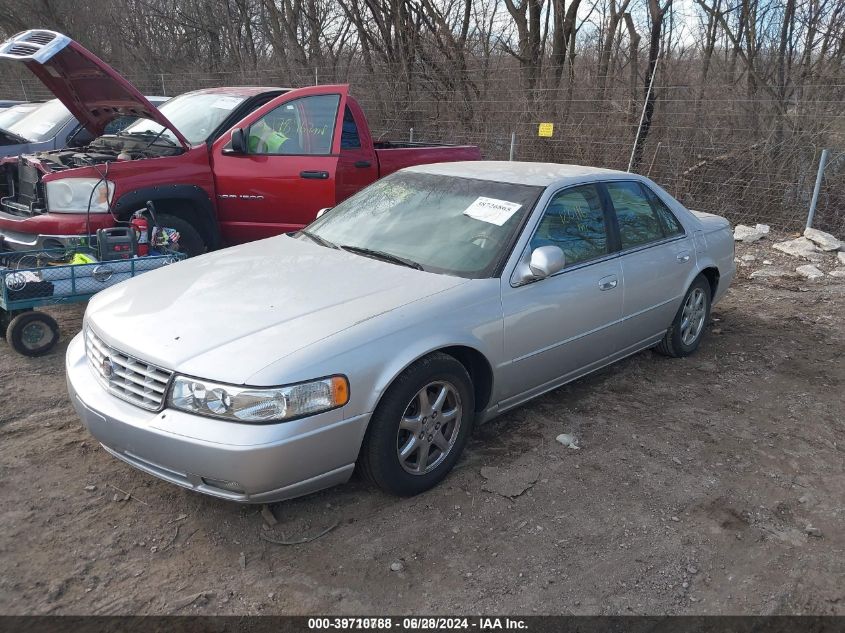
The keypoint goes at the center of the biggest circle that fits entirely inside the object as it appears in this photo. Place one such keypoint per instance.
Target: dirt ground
(692, 493)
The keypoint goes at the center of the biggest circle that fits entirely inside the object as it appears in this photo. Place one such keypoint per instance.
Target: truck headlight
(71, 195)
(257, 404)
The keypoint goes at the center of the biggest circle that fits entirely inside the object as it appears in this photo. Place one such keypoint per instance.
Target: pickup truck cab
(223, 165)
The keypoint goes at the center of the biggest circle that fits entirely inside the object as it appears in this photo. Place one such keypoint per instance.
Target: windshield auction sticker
(491, 210)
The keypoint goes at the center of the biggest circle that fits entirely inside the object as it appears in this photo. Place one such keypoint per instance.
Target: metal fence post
(817, 188)
(411, 136)
(513, 145)
(163, 89)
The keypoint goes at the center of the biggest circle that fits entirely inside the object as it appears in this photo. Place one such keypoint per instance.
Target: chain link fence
(716, 144)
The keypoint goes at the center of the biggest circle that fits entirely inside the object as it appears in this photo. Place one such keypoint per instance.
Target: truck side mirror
(239, 141)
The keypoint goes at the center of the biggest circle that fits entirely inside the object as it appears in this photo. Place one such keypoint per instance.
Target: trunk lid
(94, 92)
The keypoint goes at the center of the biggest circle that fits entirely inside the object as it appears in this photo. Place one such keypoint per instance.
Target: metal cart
(33, 279)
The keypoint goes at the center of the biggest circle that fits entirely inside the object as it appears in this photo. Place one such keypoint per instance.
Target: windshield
(15, 113)
(457, 226)
(43, 123)
(195, 115)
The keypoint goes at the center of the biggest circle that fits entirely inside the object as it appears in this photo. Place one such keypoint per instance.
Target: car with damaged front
(379, 335)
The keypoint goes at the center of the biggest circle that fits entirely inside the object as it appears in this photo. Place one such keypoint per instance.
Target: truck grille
(27, 182)
(124, 376)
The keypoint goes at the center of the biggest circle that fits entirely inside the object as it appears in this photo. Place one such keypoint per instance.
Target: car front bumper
(255, 463)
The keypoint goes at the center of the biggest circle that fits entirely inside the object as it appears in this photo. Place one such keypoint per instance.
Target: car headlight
(258, 404)
(71, 195)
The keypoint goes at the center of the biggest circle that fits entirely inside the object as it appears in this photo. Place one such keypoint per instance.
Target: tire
(33, 333)
(680, 341)
(401, 410)
(190, 241)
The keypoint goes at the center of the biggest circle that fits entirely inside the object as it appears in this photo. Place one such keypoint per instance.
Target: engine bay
(21, 186)
(119, 147)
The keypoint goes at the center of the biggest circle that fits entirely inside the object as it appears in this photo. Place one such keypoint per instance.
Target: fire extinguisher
(141, 227)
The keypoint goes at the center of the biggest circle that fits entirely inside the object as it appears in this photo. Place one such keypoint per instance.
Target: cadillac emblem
(107, 368)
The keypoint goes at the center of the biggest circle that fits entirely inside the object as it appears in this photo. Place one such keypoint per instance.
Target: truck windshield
(195, 115)
(42, 123)
(444, 224)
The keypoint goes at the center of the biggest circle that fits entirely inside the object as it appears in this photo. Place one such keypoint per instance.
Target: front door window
(299, 127)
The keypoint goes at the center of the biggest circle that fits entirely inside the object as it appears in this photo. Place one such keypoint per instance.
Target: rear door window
(671, 226)
(349, 138)
(638, 221)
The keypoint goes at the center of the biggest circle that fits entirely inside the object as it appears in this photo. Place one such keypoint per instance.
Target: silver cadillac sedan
(431, 301)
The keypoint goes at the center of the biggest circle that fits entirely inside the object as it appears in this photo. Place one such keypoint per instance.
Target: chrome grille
(124, 376)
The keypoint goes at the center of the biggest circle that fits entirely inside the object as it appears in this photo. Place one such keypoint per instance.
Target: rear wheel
(420, 427)
(33, 333)
(191, 241)
(687, 330)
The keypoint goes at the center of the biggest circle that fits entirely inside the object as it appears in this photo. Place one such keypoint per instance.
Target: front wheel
(420, 427)
(191, 243)
(687, 330)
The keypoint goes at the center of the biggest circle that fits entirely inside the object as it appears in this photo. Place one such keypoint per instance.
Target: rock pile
(814, 246)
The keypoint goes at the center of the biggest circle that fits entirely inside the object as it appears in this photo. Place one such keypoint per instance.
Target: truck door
(288, 170)
(358, 166)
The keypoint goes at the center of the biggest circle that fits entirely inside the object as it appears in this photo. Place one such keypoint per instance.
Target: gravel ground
(692, 493)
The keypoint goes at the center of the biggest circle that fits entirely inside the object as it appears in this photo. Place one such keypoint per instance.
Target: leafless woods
(744, 96)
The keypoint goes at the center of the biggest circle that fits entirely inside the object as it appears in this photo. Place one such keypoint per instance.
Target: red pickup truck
(223, 165)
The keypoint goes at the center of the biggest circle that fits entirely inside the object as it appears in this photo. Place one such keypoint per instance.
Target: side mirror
(544, 262)
(239, 142)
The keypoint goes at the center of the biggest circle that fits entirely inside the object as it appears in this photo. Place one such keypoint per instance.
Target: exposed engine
(22, 192)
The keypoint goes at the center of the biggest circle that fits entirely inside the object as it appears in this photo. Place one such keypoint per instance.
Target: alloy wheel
(429, 427)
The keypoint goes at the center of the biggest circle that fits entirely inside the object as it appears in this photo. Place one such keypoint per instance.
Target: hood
(93, 91)
(251, 305)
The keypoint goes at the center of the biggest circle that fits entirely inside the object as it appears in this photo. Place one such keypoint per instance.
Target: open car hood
(93, 91)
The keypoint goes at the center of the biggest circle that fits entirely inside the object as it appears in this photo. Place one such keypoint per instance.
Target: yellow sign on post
(546, 130)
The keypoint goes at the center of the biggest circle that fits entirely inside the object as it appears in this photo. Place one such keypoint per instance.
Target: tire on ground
(378, 461)
(33, 333)
(672, 343)
(191, 241)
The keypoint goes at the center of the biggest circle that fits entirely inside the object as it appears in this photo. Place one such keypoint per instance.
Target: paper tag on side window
(491, 210)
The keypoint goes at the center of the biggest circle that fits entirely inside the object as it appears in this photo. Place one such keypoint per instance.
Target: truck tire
(191, 241)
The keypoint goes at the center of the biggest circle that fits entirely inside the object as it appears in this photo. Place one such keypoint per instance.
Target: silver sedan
(433, 300)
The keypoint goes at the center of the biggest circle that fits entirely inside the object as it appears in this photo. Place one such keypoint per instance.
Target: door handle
(683, 257)
(317, 175)
(362, 164)
(608, 283)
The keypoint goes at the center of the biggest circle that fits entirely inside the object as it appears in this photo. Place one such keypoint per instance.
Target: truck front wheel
(191, 241)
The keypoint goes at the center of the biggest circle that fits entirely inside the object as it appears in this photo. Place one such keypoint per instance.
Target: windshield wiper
(318, 239)
(388, 257)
